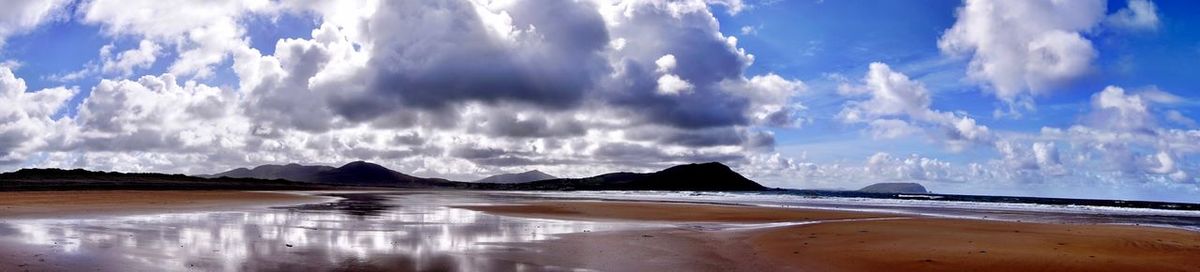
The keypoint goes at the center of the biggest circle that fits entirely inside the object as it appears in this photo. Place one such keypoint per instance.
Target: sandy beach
(660, 236)
(50, 204)
(850, 242)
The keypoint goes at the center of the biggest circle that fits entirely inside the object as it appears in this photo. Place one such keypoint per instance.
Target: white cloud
(1178, 118)
(1120, 137)
(1138, 15)
(670, 84)
(203, 33)
(770, 99)
(893, 97)
(302, 104)
(124, 63)
(1113, 109)
(19, 16)
(750, 30)
(25, 117)
(336, 96)
(910, 168)
(666, 63)
(673, 85)
(1022, 48)
(891, 128)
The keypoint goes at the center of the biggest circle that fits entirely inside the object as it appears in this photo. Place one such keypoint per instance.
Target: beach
(862, 241)
(431, 231)
(50, 204)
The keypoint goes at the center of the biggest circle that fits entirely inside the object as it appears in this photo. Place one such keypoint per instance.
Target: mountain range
(690, 177)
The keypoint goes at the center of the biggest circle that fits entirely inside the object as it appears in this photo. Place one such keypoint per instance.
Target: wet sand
(668, 212)
(412, 230)
(55, 204)
(853, 242)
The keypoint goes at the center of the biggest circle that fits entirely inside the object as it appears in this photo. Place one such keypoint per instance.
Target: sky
(1084, 98)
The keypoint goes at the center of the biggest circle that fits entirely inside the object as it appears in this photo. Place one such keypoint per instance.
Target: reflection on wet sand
(361, 232)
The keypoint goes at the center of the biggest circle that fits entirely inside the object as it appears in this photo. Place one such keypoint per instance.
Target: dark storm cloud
(692, 138)
(431, 54)
(434, 55)
(507, 124)
(634, 155)
(702, 59)
(469, 153)
(705, 107)
(411, 138)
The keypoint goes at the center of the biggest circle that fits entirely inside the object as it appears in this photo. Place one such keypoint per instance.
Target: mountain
(357, 173)
(690, 177)
(292, 172)
(895, 188)
(370, 174)
(79, 179)
(710, 176)
(534, 175)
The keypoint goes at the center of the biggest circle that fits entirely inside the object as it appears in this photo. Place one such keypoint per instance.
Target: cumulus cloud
(1138, 15)
(910, 168)
(157, 114)
(1113, 109)
(1023, 48)
(1121, 134)
(467, 88)
(898, 105)
(673, 85)
(19, 16)
(461, 89)
(203, 33)
(26, 123)
(125, 62)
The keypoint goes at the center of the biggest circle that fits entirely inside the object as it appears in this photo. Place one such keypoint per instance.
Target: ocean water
(920, 205)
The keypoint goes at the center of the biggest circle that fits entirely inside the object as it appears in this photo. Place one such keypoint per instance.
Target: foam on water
(1186, 219)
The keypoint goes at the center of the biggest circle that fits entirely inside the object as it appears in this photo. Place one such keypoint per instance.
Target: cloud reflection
(413, 232)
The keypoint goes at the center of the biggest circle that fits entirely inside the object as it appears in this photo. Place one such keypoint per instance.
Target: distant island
(710, 176)
(532, 175)
(895, 188)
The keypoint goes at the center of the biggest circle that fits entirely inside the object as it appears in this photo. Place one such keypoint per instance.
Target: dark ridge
(690, 177)
(362, 173)
(710, 176)
(79, 179)
(895, 187)
(533, 175)
(292, 172)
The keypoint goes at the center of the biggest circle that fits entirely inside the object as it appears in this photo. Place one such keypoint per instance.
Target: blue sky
(794, 93)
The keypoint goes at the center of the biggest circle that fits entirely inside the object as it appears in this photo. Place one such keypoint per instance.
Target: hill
(690, 177)
(895, 188)
(533, 175)
(79, 179)
(292, 172)
(359, 173)
(710, 176)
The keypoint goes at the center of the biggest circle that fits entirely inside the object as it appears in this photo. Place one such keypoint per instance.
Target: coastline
(675, 236)
(833, 242)
(56, 204)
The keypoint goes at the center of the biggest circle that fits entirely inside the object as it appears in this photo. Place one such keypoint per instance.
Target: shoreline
(696, 236)
(867, 242)
(58, 204)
